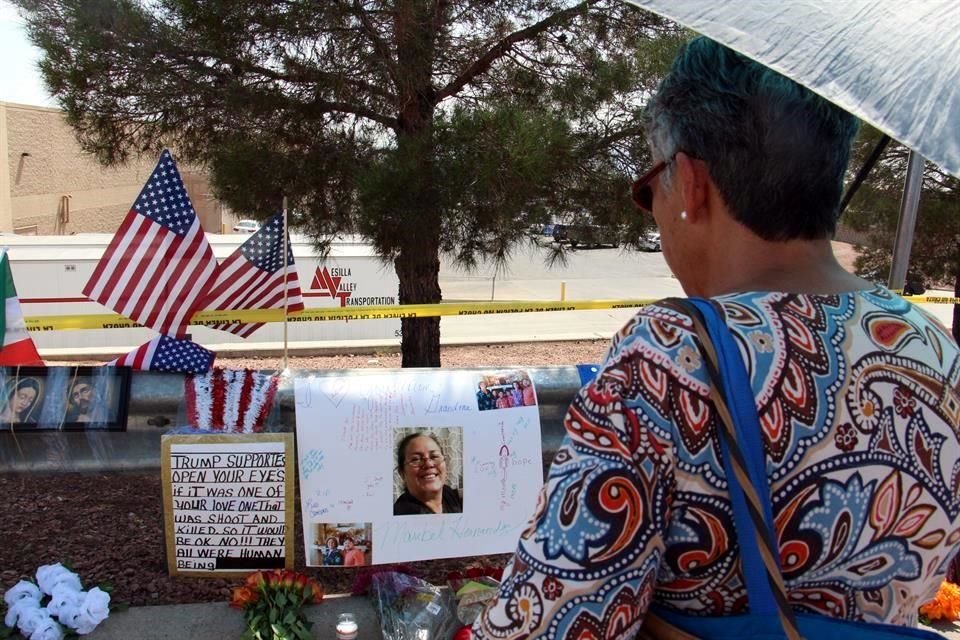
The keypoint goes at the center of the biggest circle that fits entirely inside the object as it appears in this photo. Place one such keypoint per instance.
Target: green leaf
(302, 632)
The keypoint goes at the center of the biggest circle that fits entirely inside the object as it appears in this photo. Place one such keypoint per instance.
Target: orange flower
(256, 580)
(300, 581)
(287, 578)
(243, 596)
(275, 578)
(945, 605)
(316, 591)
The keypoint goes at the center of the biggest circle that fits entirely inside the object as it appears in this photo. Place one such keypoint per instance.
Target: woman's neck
(749, 263)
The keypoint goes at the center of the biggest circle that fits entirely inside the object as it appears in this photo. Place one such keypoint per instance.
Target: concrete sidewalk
(217, 621)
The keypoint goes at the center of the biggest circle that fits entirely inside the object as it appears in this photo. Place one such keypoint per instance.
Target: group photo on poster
(342, 545)
(413, 457)
(505, 390)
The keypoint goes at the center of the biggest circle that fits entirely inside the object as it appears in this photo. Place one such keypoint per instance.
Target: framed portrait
(64, 398)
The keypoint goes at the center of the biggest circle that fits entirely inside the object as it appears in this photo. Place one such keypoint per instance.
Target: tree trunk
(956, 307)
(418, 264)
(419, 272)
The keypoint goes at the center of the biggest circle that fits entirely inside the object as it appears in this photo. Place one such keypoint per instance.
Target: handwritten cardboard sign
(228, 503)
(349, 428)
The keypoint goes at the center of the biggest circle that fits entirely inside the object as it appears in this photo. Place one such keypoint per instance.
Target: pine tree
(427, 126)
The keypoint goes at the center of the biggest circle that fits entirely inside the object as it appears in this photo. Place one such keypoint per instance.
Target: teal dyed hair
(776, 151)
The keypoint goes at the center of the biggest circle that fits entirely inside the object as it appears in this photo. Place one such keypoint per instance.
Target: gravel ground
(109, 527)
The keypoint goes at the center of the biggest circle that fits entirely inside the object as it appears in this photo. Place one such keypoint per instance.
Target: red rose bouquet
(272, 604)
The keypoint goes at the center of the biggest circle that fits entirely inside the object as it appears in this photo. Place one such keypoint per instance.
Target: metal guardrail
(156, 406)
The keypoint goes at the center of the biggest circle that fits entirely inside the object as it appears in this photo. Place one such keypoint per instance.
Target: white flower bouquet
(55, 606)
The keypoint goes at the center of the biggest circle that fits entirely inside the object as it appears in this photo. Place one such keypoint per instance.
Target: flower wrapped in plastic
(412, 609)
(473, 589)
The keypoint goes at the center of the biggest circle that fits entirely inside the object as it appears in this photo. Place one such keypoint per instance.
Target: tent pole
(907, 222)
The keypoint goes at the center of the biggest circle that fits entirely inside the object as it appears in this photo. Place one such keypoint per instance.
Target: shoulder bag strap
(742, 449)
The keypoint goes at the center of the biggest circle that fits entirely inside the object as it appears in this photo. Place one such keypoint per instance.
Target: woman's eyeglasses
(642, 191)
(418, 461)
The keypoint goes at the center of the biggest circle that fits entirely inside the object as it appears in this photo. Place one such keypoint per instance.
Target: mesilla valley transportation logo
(338, 282)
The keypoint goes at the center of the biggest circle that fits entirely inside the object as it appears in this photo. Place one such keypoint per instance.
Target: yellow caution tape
(210, 318)
(932, 299)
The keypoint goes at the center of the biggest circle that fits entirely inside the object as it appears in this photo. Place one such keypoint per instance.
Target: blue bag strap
(734, 388)
(742, 404)
(749, 495)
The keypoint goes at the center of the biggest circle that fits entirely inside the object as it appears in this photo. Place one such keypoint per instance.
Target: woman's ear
(694, 185)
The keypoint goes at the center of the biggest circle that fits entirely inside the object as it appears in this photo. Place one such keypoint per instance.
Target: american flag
(253, 277)
(164, 353)
(159, 264)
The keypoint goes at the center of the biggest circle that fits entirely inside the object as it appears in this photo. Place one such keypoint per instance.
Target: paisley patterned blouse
(859, 402)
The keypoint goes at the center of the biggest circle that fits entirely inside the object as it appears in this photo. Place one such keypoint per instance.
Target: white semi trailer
(50, 272)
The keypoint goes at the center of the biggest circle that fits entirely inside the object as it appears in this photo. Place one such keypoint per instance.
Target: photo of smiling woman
(430, 471)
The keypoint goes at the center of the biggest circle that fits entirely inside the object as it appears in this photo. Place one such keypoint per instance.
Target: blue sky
(20, 80)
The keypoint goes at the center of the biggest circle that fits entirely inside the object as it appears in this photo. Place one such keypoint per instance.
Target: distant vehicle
(650, 241)
(246, 226)
(915, 284)
(585, 235)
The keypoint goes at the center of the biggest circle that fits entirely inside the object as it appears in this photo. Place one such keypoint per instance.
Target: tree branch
(323, 106)
(491, 55)
(379, 44)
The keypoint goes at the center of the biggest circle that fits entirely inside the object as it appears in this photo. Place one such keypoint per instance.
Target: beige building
(52, 187)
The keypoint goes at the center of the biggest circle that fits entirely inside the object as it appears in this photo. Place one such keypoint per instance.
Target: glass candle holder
(346, 627)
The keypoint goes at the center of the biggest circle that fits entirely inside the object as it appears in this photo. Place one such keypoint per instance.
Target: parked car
(246, 226)
(650, 241)
(541, 233)
(915, 284)
(586, 235)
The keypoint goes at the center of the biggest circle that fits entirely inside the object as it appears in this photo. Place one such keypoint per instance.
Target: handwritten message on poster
(414, 465)
(228, 502)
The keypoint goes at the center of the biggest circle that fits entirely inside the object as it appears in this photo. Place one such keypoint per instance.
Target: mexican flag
(18, 347)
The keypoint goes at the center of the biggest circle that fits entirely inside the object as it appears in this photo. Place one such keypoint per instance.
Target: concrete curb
(325, 348)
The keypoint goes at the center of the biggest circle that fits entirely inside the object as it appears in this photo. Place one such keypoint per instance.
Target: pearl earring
(683, 215)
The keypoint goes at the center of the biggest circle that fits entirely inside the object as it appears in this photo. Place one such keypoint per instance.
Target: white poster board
(228, 502)
(348, 429)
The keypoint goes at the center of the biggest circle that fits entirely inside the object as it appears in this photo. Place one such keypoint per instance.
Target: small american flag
(253, 277)
(159, 263)
(164, 353)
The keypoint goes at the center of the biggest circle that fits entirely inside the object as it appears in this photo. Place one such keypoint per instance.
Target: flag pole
(286, 235)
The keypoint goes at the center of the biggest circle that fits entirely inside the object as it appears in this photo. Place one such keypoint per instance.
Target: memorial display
(416, 464)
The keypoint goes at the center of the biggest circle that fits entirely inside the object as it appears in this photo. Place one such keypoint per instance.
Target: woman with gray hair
(856, 393)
